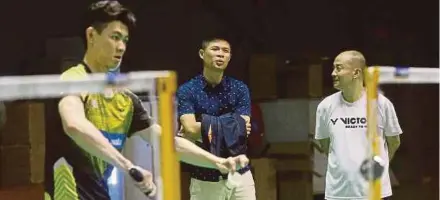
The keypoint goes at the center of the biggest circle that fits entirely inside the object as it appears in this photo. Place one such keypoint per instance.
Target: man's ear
(357, 73)
(90, 32)
(201, 53)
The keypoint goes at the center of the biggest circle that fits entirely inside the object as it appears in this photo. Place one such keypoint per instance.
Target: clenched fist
(147, 185)
(230, 165)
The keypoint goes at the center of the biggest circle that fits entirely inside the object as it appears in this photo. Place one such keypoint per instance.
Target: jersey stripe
(64, 181)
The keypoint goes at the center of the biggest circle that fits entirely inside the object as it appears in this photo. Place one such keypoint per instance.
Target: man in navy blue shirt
(214, 94)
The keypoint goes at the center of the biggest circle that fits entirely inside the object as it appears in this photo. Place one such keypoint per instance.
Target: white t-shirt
(345, 124)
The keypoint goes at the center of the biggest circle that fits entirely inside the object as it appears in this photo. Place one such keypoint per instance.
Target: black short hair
(101, 13)
(207, 40)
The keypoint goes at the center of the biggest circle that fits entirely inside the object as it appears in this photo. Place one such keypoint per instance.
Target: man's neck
(353, 93)
(93, 64)
(212, 77)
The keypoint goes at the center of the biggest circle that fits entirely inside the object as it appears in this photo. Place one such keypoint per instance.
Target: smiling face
(216, 54)
(347, 68)
(109, 44)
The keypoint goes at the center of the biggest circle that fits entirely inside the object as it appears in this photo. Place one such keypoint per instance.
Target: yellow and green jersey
(71, 172)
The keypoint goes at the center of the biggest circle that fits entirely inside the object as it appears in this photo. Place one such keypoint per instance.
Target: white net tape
(49, 86)
(408, 75)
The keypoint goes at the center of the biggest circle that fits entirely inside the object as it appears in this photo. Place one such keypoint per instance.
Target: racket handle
(137, 176)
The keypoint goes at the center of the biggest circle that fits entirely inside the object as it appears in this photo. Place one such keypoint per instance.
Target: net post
(170, 168)
(371, 82)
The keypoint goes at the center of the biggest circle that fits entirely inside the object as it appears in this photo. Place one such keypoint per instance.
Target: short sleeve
(321, 126)
(141, 118)
(244, 101)
(185, 101)
(75, 73)
(392, 126)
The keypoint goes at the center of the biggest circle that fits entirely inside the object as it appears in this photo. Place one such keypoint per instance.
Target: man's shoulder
(186, 86)
(131, 95)
(75, 72)
(190, 84)
(235, 81)
(383, 102)
(329, 100)
(382, 99)
(236, 84)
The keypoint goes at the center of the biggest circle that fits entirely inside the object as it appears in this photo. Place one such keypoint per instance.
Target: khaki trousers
(236, 187)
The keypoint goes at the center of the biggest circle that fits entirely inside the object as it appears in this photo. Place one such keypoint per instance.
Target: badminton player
(79, 162)
(341, 129)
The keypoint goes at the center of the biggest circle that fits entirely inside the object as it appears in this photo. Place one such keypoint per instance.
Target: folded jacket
(228, 132)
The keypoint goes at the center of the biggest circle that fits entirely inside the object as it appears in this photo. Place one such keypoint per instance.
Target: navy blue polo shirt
(198, 97)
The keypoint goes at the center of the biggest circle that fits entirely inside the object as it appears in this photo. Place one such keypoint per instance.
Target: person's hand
(226, 165)
(181, 132)
(229, 165)
(242, 160)
(248, 124)
(248, 128)
(146, 185)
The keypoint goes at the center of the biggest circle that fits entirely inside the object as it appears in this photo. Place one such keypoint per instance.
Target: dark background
(169, 33)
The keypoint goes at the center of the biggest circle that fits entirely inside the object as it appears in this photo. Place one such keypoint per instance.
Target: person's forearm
(88, 137)
(393, 143)
(392, 150)
(190, 153)
(324, 145)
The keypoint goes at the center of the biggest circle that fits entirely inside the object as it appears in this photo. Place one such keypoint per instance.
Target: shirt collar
(86, 67)
(204, 82)
(114, 71)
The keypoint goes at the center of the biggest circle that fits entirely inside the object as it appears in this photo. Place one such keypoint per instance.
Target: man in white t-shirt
(341, 121)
